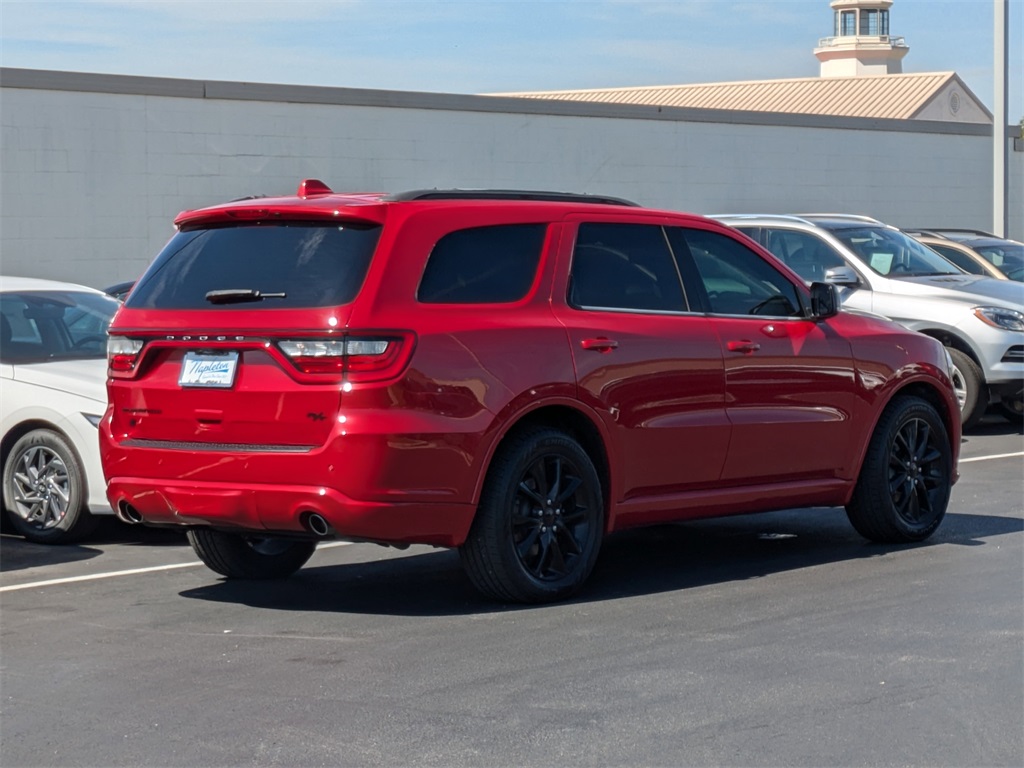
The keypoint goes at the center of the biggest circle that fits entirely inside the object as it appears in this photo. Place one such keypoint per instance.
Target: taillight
(122, 356)
(357, 358)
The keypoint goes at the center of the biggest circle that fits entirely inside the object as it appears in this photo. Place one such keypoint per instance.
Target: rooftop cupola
(860, 42)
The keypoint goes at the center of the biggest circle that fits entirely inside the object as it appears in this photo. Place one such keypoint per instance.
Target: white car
(53, 343)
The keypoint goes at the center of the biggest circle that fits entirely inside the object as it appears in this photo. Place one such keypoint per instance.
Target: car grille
(182, 445)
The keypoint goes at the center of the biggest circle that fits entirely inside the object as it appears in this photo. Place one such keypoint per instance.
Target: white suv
(880, 269)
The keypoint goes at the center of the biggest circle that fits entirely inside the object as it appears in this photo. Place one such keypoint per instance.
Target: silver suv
(880, 269)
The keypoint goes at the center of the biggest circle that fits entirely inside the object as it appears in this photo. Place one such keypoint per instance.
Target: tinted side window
(1006, 257)
(737, 280)
(807, 255)
(312, 264)
(962, 260)
(50, 325)
(483, 265)
(624, 266)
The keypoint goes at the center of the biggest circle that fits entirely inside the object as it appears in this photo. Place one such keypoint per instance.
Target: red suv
(516, 374)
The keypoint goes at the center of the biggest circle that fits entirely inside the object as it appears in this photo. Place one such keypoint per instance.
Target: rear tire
(540, 522)
(44, 489)
(905, 481)
(238, 556)
(1012, 409)
(969, 384)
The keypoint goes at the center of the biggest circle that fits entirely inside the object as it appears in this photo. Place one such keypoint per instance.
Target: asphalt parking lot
(779, 639)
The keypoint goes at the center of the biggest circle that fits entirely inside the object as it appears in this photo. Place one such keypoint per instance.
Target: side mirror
(825, 301)
(844, 276)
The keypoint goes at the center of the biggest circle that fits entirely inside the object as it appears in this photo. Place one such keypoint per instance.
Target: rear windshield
(272, 266)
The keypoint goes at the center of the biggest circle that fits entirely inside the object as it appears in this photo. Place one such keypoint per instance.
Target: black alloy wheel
(906, 478)
(918, 475)
(550, 525)
(540, 521)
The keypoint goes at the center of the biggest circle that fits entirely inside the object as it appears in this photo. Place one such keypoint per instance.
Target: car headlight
(93, 419)
(998, 317)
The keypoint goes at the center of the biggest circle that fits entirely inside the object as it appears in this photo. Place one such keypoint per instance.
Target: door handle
(744, 346)
(600, 344)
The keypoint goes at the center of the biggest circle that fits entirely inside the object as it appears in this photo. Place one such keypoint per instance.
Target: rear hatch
(235, 337)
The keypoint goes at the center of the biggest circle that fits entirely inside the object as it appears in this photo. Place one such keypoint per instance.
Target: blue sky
(481, 46)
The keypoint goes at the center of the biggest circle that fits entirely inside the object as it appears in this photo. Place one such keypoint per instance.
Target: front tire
(540, 522)
(238, 556)
(44, 489)
(969, 385)
(906, 479)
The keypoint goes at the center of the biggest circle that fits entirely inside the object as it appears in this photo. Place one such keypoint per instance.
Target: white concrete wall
(90, 179)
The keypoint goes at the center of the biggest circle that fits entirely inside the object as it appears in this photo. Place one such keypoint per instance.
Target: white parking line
(130, 572)
(94, 576)
(994, 456)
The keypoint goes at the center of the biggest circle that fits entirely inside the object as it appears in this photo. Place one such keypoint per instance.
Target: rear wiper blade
(239, 295)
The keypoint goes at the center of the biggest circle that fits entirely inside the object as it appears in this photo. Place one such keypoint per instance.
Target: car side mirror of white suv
(844, 276)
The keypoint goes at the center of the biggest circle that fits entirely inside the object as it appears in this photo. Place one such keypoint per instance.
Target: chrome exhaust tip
(126, 513)
(316, 523)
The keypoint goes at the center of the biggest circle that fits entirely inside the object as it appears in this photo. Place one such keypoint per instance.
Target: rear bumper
(285, 509)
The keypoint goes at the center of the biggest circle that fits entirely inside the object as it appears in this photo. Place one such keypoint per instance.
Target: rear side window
(624, 266)
(312, 265)
(483, 265)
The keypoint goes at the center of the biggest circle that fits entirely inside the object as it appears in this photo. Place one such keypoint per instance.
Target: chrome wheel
(969, 386)
(41, 487)
(959, 387)
(44, 489)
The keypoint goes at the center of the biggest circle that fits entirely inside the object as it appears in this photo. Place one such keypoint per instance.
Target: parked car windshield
(279, 266)
(39, 326)
(891, 253)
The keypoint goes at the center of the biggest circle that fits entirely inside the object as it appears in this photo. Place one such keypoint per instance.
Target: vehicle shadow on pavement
(641, 562)
(994, 425)
(17, 554)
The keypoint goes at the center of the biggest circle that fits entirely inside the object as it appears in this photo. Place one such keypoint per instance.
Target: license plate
(208, 369)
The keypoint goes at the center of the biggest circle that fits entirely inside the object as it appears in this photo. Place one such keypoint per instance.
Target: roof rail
(845, 216)
(915, 232)
(506, 194)
(960, 231)
(744, 216)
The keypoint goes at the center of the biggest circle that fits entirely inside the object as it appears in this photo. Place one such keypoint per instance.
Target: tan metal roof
(899, 96)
